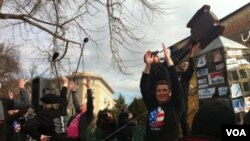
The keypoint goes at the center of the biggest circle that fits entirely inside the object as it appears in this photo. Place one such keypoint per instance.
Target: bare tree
(33, 70)
(10, 67)
(9, 62)
(68, 21)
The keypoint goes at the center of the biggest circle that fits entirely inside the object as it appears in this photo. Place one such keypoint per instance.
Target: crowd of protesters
(18, 122)
(164, 92)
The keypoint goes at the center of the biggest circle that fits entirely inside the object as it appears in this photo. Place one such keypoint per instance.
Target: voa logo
(236, 132)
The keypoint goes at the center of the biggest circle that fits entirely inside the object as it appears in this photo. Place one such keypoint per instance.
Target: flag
(156, 117)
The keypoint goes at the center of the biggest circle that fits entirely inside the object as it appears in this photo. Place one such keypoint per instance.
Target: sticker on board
(238, 105)
(201, 61)
(215, 78)
(217, 56)
(206, 93)
(223, 91)
(236, 90)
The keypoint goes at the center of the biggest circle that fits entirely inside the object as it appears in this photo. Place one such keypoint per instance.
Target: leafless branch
(69, 21)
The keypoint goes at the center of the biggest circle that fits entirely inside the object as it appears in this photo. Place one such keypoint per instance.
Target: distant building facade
(102, 92)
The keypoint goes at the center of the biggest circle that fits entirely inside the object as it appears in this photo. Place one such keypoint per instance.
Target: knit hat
(210, 118)
(50, 99)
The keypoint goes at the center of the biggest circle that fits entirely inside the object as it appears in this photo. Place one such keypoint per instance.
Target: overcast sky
(169, 29)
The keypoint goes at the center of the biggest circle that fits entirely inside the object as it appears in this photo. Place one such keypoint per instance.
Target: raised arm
(89, 111)
(63, 94)
(148, 60)
(76, 104)
(187, 75)
(90, 107)
(176, 98)
(64, 90)
(24, 101)
(167, 55)
(148, 99)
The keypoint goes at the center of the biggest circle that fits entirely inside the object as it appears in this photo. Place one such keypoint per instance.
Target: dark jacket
(108, 127)
(163, 120)
(48, 122)
(125, 125)
(86, 117)
(10, 104)
(17, 118)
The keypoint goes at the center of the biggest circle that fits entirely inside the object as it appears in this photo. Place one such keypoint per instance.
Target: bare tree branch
(70, 21)
(25, 18)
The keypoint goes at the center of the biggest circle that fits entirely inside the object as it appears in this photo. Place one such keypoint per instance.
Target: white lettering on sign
(236, 132)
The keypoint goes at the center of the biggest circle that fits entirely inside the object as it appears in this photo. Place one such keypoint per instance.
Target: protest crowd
(164, 91)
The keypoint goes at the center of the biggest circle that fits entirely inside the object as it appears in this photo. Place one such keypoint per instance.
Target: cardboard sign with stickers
(223, 71)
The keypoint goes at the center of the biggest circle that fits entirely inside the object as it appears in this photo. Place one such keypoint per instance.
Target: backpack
(72, 129)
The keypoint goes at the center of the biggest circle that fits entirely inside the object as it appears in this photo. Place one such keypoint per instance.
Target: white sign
(203, 86)
(201, 61)
(202, 81)
(223, 91)
(243, 62)
(206, 93)
(231, 61)
(234, 53)
(202, 72)
(232, 66)
(236, 90)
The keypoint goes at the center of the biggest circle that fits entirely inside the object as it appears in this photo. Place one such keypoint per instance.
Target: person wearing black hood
(49, 123)
(126, 125)
(164, 103)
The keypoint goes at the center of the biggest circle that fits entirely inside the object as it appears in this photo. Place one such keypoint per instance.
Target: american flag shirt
(156, 118)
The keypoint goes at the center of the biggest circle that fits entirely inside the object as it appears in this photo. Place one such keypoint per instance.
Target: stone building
(102, 91)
